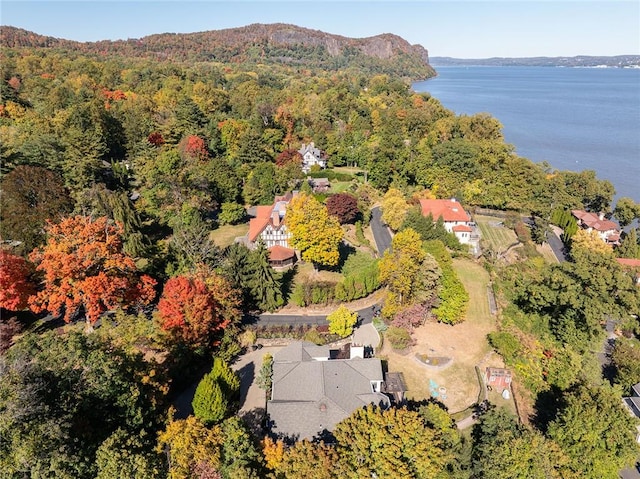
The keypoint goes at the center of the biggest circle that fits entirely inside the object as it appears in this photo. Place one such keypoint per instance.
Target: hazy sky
(463, 29)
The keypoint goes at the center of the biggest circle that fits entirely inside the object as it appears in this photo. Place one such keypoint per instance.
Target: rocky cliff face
(259, 42)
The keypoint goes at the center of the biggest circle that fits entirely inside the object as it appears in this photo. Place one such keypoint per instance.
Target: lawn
(466, 343)
(494, 234)
(225, 235)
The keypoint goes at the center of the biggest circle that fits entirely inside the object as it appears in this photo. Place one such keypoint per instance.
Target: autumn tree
(408, 271)
(394, 208)
(85, 271)
(195, 308)
(595, 431)
(191, 446)
(344, 207)
(342, 321)
(307, 460)
(289, 156)
(30, 196)
(316, 234)
(15, 285)
(366, 438)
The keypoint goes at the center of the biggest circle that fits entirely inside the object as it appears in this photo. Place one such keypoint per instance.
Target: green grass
(339, 186)
(475, 280)
(495, 236)
(225, 235)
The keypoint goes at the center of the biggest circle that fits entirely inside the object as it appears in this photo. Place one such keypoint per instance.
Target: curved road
(380, 231)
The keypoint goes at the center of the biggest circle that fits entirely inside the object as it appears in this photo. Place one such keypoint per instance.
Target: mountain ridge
(276, 43)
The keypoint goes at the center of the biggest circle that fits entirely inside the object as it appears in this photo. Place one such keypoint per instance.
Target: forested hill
(619, 61)
(257, 43)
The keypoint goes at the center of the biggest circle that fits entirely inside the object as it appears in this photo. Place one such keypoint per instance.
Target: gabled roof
(311, 396)
(280, 253)
(450, 210)
(594, 221)
(264, 215)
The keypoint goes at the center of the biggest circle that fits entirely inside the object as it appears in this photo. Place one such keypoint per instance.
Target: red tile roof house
(607, 229)
(631, 264)
(455, 218)
(269, 225)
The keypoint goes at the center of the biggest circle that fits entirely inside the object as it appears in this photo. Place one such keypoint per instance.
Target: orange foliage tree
(15, 286)
(194, 308)
(86, 271)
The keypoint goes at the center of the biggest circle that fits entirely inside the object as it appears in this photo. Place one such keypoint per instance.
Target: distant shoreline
(618, 61)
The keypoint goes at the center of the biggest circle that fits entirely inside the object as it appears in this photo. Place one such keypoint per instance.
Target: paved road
(556, 245)
(380, 231)
(365, 315)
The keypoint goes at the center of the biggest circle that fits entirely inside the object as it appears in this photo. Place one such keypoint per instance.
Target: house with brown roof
(456, 220)
(606, 229)
(312, 156)
(269, 226)
(312, 392)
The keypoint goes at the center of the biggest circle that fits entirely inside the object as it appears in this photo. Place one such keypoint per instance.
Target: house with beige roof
(312, 392)
(456, 220)
(606, 229)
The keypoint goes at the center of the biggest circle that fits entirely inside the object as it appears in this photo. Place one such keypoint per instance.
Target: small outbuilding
(498, 378)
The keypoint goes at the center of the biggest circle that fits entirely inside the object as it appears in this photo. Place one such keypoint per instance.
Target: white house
(312, 156)
(607, 229)
(455, 218)
(270, 227)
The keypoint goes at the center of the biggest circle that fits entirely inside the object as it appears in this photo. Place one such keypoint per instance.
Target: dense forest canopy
(120, 158)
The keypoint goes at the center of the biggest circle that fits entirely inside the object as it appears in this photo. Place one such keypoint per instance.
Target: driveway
(556, 245)
(380, 231)
(248, 366)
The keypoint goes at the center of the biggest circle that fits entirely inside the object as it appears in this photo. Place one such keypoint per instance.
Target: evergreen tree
(209, 402)
(629, 248)
(264, 283)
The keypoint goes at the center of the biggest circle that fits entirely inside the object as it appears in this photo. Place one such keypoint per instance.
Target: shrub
(399, 338)
(342, 321)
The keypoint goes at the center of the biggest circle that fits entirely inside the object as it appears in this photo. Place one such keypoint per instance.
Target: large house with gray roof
(312, 393)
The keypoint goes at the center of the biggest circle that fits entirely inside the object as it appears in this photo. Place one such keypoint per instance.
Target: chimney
(601, 216)
(275, 218)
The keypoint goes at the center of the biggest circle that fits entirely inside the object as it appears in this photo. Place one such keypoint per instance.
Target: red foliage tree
(193, 147)
(85, 270)
(289, 156)
(344, 207)
(15, 286)
(155, 139)
(194, 308)
(412, 317)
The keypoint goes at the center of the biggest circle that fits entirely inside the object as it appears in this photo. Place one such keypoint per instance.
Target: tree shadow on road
(246, 374)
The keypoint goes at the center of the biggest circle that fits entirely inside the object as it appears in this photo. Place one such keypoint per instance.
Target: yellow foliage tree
(191, 444)
(407, 270)
(590, 240)
(316, 234)
(273, 452)
(394, 208)
(342, 321)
